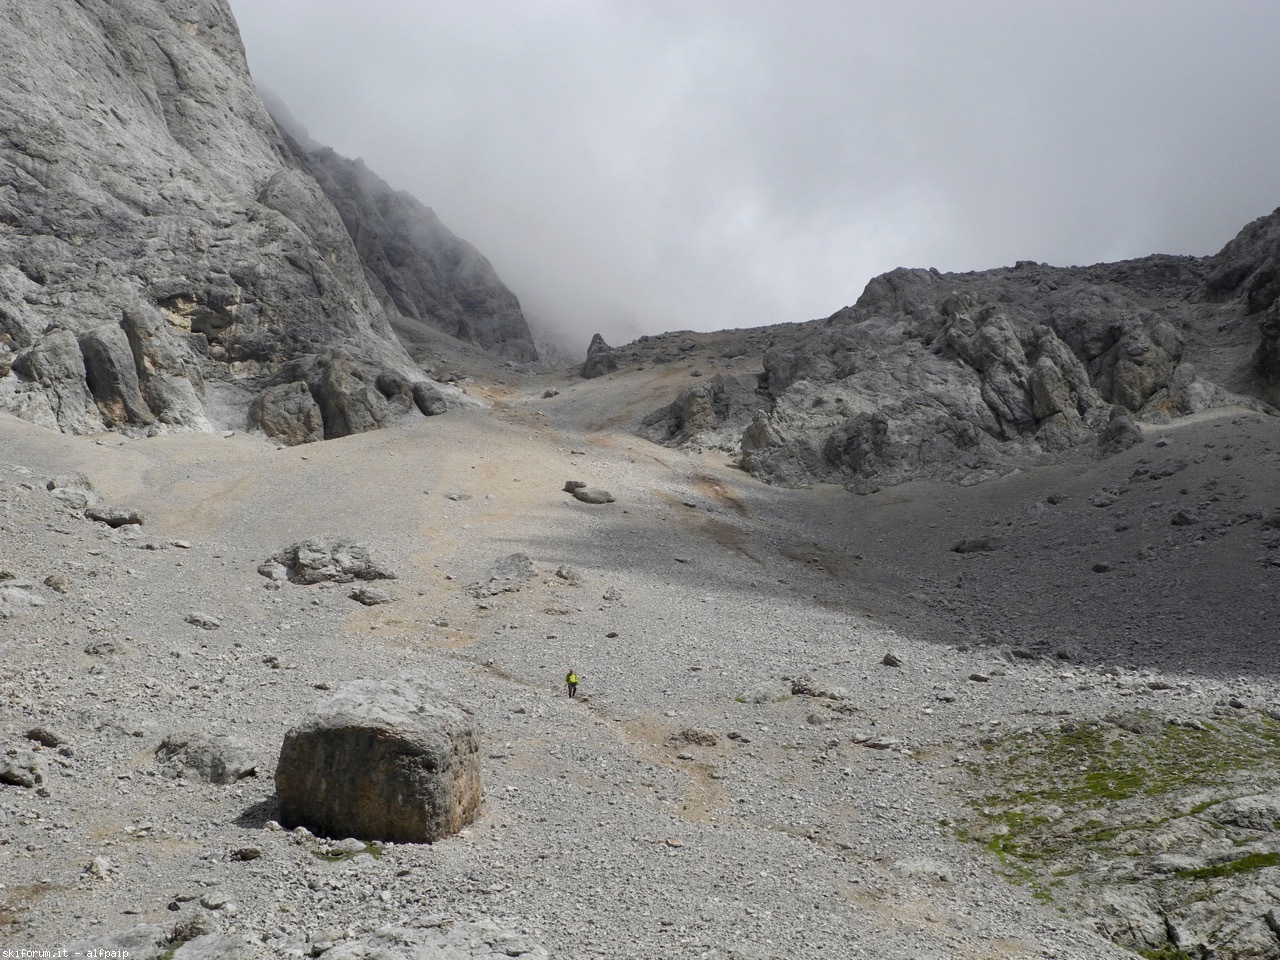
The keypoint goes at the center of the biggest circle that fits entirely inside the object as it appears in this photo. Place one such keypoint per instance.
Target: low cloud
(635, 168)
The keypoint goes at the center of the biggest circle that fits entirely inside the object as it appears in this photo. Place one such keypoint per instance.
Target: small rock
(212, 758)
(371, 596)
(883, 743)
(202, 620)
(74, 491)
(99, 867)
(593, 495)
(569, 575)
(985, 544)
(114, 517)
(103, 648)
(699, 736)
(891, 660)
(808, 687)
(770, 692)
(325, 559)
(17, 597)
(23, 769)
(923, 870)
(348, 846)
(45, 737)
(508, 575)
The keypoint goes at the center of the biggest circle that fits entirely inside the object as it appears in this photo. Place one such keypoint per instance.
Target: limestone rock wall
(418, 265)
(164, 254)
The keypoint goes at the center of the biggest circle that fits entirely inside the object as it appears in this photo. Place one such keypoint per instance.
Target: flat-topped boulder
(394, 760)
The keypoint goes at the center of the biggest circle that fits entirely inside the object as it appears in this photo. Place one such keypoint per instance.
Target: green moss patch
(1255, 861)
(1047, 794)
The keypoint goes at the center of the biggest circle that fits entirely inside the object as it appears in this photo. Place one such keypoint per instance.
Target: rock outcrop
(1245, 278)
(704, 412)
(965, 377)
(1163, 859)
(600, 359)
(393, 760)
(169, 262)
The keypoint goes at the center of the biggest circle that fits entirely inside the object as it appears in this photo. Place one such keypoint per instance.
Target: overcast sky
(635, 166)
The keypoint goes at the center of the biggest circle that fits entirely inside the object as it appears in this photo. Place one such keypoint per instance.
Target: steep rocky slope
(417, 265)
(167, 263)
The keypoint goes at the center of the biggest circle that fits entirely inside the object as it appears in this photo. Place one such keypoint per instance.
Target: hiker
(571, 681)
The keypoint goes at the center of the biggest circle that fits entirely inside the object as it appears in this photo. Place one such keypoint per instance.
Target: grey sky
(633, 166)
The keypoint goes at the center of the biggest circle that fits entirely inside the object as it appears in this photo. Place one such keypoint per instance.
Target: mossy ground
(1052, 804)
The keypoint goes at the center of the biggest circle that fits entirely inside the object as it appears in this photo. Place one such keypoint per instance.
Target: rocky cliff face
(964, 377)
(166, 263)
(416, 265)
(1244, 279)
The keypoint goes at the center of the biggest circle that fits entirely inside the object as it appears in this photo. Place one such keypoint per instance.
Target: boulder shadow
(257, 815)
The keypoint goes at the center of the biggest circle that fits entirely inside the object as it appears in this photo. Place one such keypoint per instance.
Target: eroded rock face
(965, 377)
(417, 264)
(704, 412)
(393, 760)
(1245, 276)
(164, 251)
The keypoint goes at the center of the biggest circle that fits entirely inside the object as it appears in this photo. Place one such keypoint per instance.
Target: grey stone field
(943, 627)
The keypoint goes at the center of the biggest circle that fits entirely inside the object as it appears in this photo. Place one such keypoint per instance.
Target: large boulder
(322, 559)
(50, 385)
(394, 760)
(288, 413)
(113, 378)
